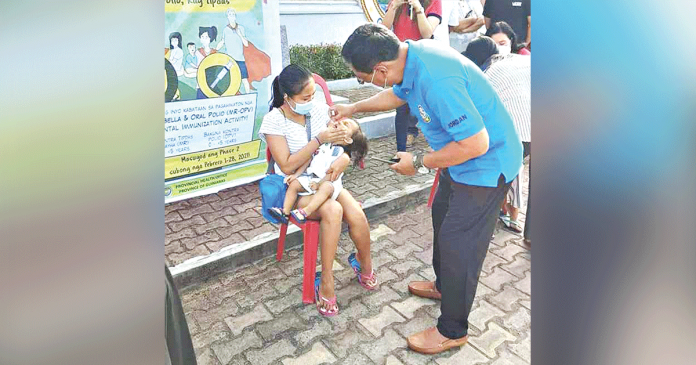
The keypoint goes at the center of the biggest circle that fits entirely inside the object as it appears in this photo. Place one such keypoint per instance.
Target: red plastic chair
(310, 228)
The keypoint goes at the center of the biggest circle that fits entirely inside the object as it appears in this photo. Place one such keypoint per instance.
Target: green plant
(322, 59)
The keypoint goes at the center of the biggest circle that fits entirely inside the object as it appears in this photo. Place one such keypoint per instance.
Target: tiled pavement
(254, 315)
(355, 95)
(203, 225)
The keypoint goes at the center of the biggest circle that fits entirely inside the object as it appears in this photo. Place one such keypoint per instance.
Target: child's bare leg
(323, 193)
(291, 196)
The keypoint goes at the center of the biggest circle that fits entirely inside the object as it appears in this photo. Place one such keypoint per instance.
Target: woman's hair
(424, 3)
(290, 82)
(212, 32)
(357, 150)
(480, 50)
(176, 35)
(503, 27)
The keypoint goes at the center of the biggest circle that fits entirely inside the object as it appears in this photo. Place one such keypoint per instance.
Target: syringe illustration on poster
(217, 73)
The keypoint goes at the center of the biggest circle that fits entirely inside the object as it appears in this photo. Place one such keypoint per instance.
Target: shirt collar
(409, 68)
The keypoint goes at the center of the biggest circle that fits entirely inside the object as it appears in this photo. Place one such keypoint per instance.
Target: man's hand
(314, 186)
(341, 111)
(337, 167)
(405, 166)
(289, 179)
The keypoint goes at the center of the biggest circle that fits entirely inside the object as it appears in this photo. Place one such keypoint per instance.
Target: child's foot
(278, 214)
(300, 215)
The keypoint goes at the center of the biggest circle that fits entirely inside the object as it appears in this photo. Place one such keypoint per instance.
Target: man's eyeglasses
(362, 82)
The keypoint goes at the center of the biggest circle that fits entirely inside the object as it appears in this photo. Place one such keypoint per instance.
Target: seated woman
(311, 178)
(506, 39)
(294, 129)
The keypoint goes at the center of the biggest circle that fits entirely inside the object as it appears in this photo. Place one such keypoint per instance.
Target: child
(311, 178)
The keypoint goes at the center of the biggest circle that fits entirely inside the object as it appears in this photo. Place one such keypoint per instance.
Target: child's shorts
(305, 180)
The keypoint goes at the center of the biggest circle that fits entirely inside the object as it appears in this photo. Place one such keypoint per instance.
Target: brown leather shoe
(431, 342)
(425, 289)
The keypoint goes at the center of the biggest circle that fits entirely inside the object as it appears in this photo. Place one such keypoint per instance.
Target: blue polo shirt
(453, 100)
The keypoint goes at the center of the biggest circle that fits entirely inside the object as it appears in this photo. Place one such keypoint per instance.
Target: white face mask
(302, 108)
(504, 50)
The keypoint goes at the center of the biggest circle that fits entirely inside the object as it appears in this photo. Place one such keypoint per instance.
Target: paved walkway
(254, 315)
(200, 226)
(355, 95)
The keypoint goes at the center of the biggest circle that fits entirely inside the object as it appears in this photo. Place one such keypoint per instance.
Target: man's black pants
(464, 218)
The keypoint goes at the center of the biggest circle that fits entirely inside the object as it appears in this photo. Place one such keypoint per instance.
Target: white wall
(315, 22)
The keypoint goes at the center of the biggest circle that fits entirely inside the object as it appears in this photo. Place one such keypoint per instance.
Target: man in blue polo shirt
(475, 146)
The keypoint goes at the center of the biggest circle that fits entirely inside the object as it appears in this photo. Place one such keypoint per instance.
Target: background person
(516, 13)
(475, 145)
(510, 76)
(506, 39)
(411, 19)
(465, 23)
(293, 131)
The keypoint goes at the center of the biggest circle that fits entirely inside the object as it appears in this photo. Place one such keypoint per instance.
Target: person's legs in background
(412, 130)
(401, 124)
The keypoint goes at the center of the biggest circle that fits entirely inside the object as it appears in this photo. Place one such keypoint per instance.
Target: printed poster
(217, 85)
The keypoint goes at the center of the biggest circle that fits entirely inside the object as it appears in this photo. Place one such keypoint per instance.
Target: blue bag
(272, 190)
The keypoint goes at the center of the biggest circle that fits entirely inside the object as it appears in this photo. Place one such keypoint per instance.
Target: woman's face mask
(301, 108)
(504, 49)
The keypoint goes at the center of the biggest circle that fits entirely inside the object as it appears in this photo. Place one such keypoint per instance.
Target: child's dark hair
(190, 44)
(290, 82)
(358, 149)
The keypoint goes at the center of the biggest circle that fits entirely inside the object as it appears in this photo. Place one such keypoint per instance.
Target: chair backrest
(321, 84)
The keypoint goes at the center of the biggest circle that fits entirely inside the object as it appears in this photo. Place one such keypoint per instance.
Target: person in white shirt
(465, 23)
(442, 30)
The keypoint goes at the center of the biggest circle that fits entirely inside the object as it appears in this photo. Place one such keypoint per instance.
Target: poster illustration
(374, 9)
(217, 83)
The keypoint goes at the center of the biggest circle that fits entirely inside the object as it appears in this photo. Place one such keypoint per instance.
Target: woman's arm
(426, 24)
(467, 25)
(388, 20)
(289, 163)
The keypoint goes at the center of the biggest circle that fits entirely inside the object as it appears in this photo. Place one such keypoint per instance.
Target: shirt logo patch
(423, 114)
(516, 3)
(457, 121)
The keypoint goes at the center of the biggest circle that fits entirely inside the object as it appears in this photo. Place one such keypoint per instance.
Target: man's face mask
(373, 78)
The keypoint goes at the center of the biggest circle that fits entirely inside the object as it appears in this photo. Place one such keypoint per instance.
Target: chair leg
(433, 190)
(281, 241)
(311, 245)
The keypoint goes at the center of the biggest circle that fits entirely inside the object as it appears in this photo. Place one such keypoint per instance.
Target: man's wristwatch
(418, 164)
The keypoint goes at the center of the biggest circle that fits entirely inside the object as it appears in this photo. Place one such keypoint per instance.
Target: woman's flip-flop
(325, 307)
(369, 282)
(277, 213)
(300, 215)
